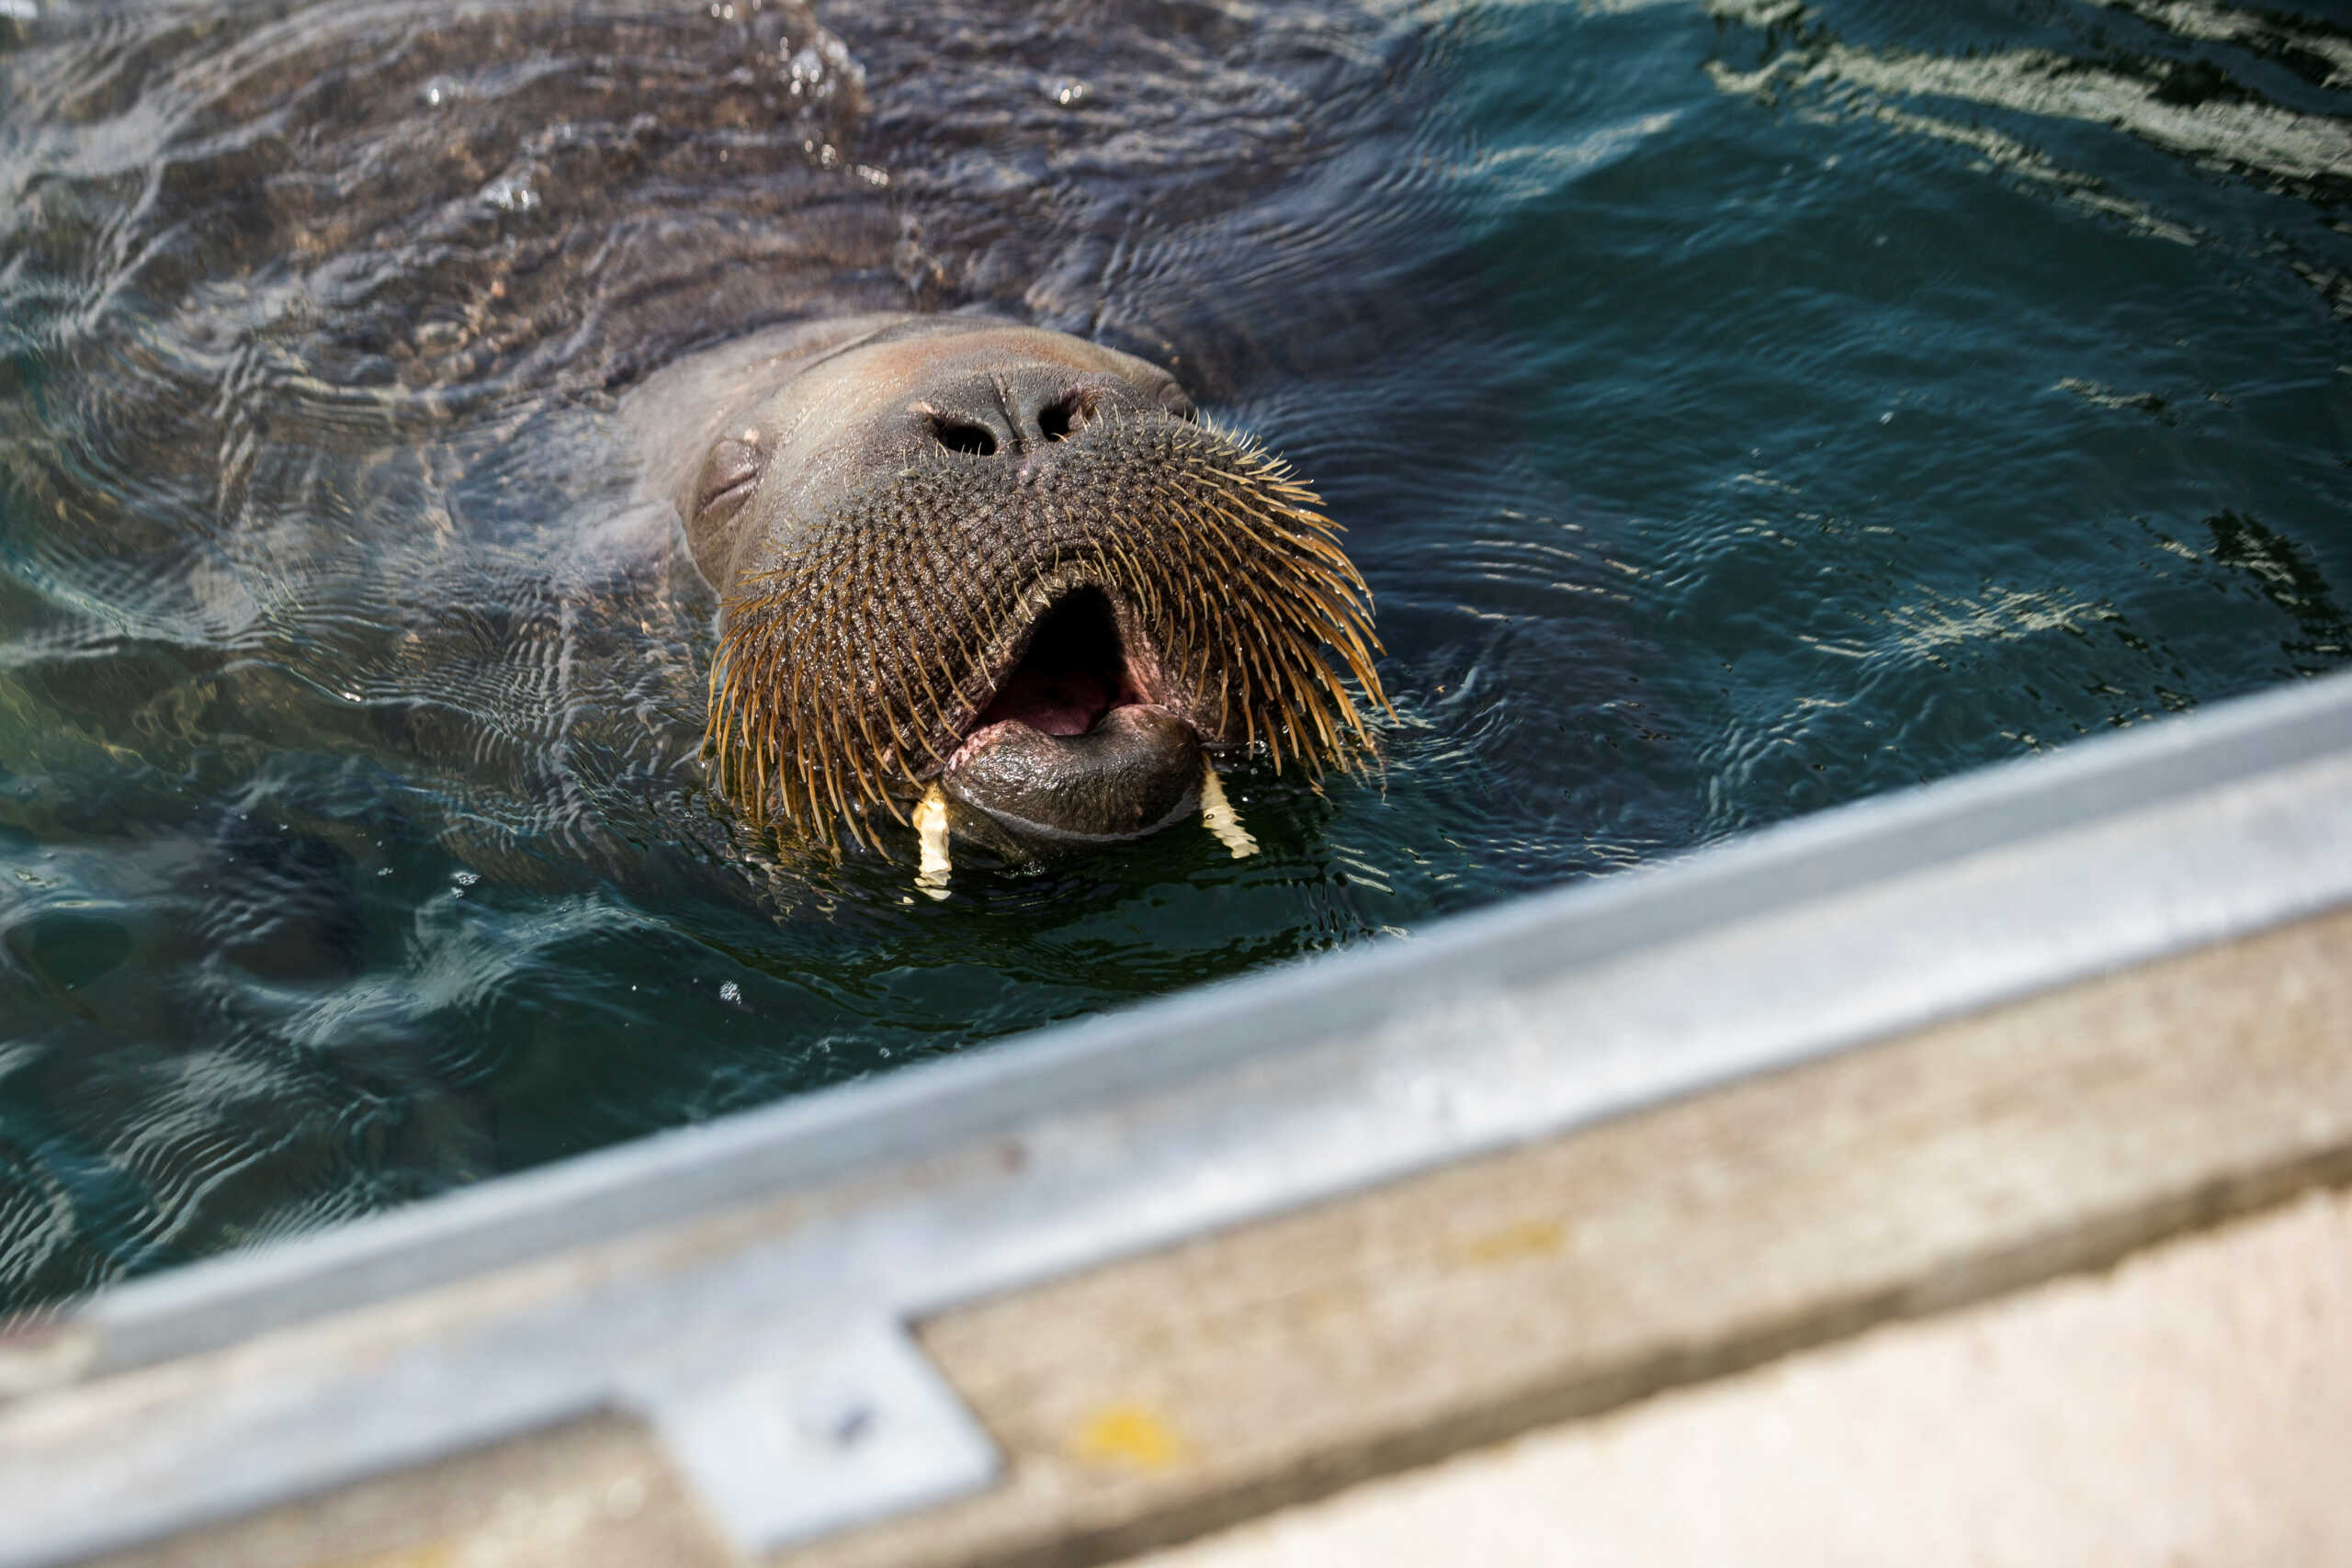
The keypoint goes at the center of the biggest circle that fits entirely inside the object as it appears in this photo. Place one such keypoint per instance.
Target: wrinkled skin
(1083, 734)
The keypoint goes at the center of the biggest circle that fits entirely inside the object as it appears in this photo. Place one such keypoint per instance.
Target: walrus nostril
(958, 436)
(1059, 420)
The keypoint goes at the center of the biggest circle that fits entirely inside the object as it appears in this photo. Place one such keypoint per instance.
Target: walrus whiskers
(908, 602)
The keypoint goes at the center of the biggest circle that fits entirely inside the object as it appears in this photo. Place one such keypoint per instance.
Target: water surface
(1736, 409)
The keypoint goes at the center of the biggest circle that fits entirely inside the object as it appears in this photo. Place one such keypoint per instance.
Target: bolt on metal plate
(813, 1431)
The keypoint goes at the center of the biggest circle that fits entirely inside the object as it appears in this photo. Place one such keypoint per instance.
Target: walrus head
(1007, 570)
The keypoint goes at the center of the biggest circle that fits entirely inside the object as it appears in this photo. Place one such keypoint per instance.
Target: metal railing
(775, 1364)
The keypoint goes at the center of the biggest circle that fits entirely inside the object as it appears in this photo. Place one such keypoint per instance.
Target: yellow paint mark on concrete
(1528, 1239)
(1130, 1437)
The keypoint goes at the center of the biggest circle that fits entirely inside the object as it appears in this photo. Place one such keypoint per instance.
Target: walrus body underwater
(996, 573)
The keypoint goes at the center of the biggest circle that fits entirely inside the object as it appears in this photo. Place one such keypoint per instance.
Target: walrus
(996, 583)
(413, 270)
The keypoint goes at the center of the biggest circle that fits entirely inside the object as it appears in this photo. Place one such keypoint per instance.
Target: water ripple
(1736, 408)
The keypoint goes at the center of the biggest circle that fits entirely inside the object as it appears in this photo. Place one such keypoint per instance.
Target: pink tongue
(1052, 704)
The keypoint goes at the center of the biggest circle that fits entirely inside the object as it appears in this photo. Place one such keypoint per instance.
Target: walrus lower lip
(1126, 776)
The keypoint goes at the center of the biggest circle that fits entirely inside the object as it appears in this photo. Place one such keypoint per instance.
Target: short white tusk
(931, 828)
(1218, 813)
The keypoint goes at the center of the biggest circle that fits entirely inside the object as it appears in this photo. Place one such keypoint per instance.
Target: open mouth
(1076, 744)
(1074, 670)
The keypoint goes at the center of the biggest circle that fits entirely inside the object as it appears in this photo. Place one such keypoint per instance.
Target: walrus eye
(729, 475)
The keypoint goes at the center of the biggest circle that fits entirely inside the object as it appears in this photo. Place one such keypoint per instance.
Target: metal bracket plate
(823, 1427)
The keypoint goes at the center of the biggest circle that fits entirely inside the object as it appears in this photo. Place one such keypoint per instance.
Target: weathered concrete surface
(2192, 1408)
(1154, 1399)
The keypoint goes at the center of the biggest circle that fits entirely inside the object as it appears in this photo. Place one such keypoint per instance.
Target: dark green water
(1737, 410)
